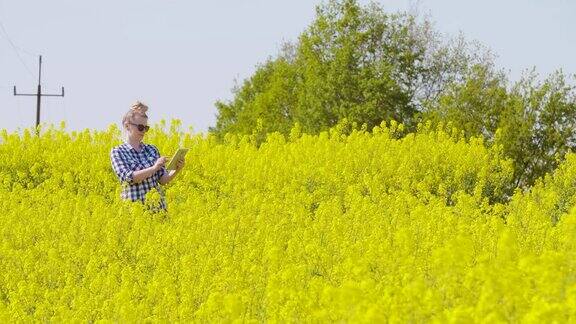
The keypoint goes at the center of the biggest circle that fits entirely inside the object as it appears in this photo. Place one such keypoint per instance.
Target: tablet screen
(177, 156)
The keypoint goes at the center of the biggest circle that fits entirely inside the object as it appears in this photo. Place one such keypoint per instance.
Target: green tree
(533, 120)
(474, 105)
(353, 62)
(266, 98)
(542, 126)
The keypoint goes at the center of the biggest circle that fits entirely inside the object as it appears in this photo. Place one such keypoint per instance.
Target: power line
(26, 51)
(15, 48)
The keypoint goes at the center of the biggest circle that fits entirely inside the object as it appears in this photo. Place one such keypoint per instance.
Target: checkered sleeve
(162, 171)
(123, 169)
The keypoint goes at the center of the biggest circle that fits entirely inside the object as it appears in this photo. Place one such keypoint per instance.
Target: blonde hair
(137, 108)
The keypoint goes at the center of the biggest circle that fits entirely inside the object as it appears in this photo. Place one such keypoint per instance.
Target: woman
(139, 166)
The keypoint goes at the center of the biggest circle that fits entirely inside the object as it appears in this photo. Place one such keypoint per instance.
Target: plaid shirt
(125, 160)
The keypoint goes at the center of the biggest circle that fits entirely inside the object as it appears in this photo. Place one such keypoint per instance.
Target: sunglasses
(142, 128)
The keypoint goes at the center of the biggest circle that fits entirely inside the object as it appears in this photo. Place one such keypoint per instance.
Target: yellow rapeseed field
(366, 227)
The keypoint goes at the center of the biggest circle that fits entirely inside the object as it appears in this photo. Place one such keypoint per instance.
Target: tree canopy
(353, 62)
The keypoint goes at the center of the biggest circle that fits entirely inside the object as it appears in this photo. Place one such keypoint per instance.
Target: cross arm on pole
(42, 94)
(55, 95)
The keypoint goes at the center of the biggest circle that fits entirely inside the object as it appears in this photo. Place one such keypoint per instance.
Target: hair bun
(139, 107)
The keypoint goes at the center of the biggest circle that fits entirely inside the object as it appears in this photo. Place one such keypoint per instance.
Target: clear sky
(179, 57)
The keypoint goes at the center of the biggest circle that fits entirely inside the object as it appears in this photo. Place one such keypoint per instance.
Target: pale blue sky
(179, 57)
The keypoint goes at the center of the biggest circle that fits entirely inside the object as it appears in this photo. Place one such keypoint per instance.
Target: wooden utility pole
(39, 94)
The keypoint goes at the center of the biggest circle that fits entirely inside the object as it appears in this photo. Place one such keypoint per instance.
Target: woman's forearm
(140, 175)
(168, 176)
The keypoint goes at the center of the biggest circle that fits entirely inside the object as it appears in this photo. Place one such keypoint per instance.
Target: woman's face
(132, 127)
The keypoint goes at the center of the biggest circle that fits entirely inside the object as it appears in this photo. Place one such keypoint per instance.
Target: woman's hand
(160, 163)
(168, 176)
(180, 164)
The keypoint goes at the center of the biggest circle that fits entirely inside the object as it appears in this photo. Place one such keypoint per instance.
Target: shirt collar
(131, 148)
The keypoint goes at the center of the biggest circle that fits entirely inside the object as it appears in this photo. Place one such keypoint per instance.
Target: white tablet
(177, 156)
